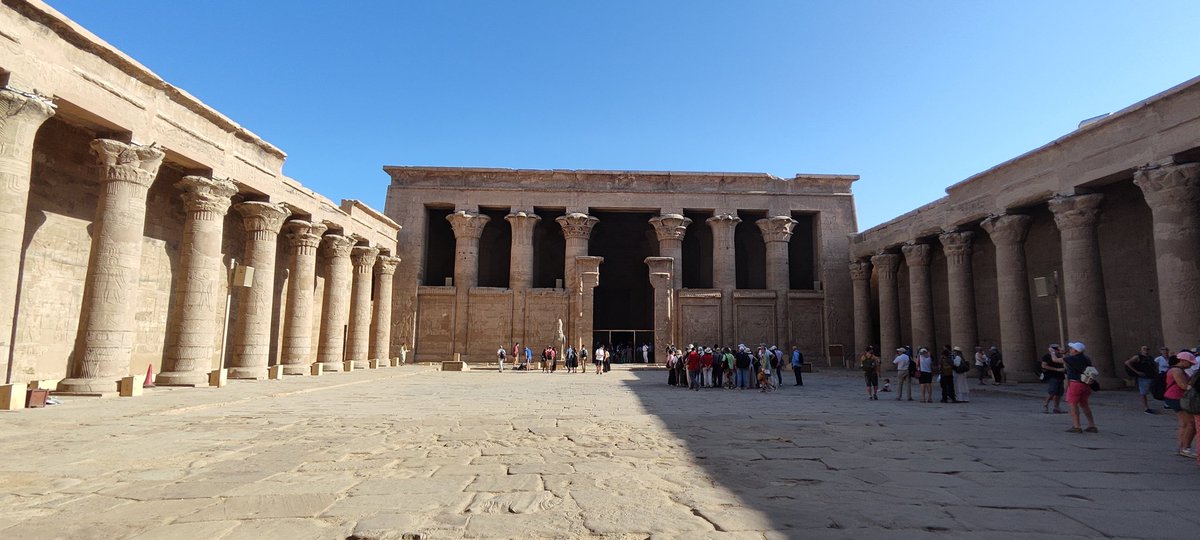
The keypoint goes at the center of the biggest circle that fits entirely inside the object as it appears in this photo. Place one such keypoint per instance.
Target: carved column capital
(886, 264)
(661, 269)
(728, 221)
(335, 246)
(957, 244)
(206, 197)
(860, 270)
(522, 224)
(577, 225)
(776, 228)
(1075, 212)
(916, 254)
(303, 235)
(466, 224)
(127, 162)
(29, 108)
(670, 226)
(589, 270)
(363, 258)
(1007, 229)
(262, 220)
(1170, 184)
(386, 265)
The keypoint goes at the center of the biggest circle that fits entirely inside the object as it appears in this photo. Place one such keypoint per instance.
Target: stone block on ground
(12, 396)
(454, 366)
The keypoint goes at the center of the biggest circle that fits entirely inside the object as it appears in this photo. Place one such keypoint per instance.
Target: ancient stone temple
(490, 257)
(125, 201)
(1110, 210)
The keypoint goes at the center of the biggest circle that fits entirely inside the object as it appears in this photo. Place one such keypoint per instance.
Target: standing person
(743, 362)
(798, 365)
(583, 359)
(1054, 372)
(903, 374)
(1077, 391)
(946, 375)
(671, 380)
(962, 389)
(553, 359)
(528, 357)
(607, 360)
(500, 354)
(1145, 370)
(645, 353)
(572, 360)
(694, 361)
(598, 359)
(778, 365)
(1177, 384)
(545, 360)
(996, 361)
(719, 367)
(706, 368)
(403, 353)
(516, 353)
(981, 363)
(925, 374)
(869, 363)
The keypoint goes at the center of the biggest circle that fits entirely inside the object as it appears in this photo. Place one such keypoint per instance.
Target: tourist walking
(583, 359)
(798, 365)
(903, 373)
(500, 354)
(962, 367)
(1078, 391)
(571, 359)
(996, 362)
(1177, 384)
(869, 363)
(925, 374)
(1054, 373)
(1144, 370)
(553, 359)
(946, 375)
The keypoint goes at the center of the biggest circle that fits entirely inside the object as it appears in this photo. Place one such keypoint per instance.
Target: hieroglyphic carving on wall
(491, 322)
(808, 331)
(435, 327)
(700, 320)
(753, 321)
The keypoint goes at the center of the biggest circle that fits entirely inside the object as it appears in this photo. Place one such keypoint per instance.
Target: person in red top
(706, 368)
(694, 361)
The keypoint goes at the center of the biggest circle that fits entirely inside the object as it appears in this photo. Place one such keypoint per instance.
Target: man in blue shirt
(798, 365)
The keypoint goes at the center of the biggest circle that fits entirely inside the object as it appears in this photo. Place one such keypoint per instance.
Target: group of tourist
(574, 361)
(738, 367)
(1167, 378)
(951, 370)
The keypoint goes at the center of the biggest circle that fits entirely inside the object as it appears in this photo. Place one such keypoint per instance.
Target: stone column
(588, 270)
(1083, 281)
(381, 326)
(106, 331)
(887, 266)
(725, 268)
(670, 229)
(21, 115)
(1012, 286)
(252, 329)
(1173, 193)
(520, 274)
(664, 295)
(920, 296)
(577, 230)
(358, 345)
(303, 239)
(777, 232)
(957, 247)
(336, 303)
(468, 226)
(860, 274)
(193, 325)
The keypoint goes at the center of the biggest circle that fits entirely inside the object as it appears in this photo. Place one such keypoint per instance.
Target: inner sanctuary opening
(624, 300)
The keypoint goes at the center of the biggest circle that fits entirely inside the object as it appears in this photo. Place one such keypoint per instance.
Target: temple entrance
(626, 345)
(623, 311)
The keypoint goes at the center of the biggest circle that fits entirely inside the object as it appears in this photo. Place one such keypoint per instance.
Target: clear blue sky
(911, 95)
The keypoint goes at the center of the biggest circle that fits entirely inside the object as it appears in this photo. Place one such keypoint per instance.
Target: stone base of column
(296, 369)
(88, 387)
(331, 366)
(255, 373)
(362, 364)
(181, 378)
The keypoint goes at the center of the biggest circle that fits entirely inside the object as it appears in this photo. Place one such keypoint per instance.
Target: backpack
(912, 367)
(963, 366)
(1158, 389)
(1190, 402)
(869, 364)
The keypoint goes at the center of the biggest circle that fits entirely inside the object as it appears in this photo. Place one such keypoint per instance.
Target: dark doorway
(495, 249)
(633, 339)
(549, 249)
(439, 247)
(698, 252)
(802, 252)
(750, 251)
(624, 300)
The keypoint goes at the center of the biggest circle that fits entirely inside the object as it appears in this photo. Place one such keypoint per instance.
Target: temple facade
(126, 202)
(491, 257)
(1100, 225)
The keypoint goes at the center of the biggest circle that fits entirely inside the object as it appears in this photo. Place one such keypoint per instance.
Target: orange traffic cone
(149, 376)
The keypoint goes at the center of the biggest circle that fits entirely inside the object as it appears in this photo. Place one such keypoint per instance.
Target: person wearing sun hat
(1178, 382)
(1078, 391)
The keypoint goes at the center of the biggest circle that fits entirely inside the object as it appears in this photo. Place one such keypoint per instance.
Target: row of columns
(1172, 193)
(106, 326)
(577, 228)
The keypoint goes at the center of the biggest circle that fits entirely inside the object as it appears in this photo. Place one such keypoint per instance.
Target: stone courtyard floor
(384, 453)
